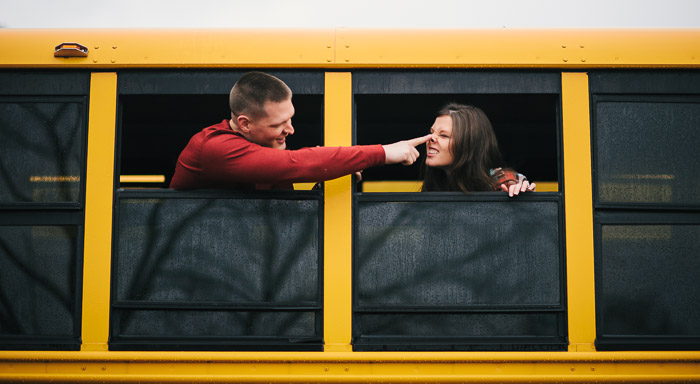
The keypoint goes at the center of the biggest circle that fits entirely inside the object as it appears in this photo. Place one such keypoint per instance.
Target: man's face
(272, 129)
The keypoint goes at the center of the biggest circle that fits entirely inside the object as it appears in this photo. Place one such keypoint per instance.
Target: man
(248, 151)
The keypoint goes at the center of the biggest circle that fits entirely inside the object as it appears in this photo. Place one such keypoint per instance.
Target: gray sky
(350, 13)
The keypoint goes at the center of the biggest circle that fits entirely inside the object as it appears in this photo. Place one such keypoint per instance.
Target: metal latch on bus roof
(70, 50)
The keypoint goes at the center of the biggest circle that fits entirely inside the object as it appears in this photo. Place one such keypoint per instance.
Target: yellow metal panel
(578, 199)
(391, 186)
(141, 178)
(169, 48)
(530, 367)
(337, 220)
(499, 48)
(98, 210)
(304, 186)
(519, 48)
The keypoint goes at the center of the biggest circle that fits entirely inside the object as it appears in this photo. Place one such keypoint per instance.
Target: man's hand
(405, 151)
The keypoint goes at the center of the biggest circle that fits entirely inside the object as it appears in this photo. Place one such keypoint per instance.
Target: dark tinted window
(43, 130)
(458, 272)
(37, 280)
(196, 265)
(647, 209)
(41, 148)
(644, 151)
(648, 276)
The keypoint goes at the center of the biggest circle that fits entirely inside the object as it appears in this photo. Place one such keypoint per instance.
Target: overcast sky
(350, 13)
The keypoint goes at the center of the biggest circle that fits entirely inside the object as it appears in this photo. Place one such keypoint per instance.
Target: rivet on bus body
(563, 46)
(347, 59)
(94, 60)
(565, 59)
(347, 45)
(97, 47)
(329, 59)
(328, 46)
(114, 47)
(581, 46)
(583, 59)
(114, 61)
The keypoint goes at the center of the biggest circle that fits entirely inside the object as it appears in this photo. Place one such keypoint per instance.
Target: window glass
(647, 276)
(644, 154)
(41, 150)
(37, 280)
(458, 253)
(202, 264)
(647, 209)
(467, 272)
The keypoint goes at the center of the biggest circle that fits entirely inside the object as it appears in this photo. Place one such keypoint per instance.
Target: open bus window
(523, 110)
(157, 120)
(156, 128)
(525, 125)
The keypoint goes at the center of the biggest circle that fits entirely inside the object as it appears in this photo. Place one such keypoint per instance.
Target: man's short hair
(253, 90)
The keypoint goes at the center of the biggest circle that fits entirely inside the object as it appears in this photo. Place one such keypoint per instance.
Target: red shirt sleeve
(220, 159)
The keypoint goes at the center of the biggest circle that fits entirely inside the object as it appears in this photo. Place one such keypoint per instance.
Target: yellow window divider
(337, 221)
(578, 198)
(98, 211)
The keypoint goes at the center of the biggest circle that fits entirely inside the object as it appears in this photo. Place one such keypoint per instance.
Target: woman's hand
(523, 185)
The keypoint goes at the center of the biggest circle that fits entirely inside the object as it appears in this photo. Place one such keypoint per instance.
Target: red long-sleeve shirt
(217, 157)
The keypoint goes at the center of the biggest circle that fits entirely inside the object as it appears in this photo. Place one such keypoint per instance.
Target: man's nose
(289, 129)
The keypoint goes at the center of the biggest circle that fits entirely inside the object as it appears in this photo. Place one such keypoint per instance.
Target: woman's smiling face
(439, 152)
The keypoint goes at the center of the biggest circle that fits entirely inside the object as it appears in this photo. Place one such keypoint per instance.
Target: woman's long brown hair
(474, 149)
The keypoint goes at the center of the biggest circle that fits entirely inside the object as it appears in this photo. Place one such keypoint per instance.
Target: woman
(463, 155)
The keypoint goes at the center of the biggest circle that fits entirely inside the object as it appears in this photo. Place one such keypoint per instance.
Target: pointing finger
(419, 140)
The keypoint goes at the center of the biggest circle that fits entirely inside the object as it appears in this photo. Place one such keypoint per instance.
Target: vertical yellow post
(98, 210)
(337, 228)
(579, 211)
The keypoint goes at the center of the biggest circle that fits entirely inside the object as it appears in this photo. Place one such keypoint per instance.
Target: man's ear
(243, 123)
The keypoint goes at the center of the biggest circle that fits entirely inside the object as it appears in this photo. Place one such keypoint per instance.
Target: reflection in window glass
(643, 152)
(226, 270)
(648, 277)
(37, 280)
(40, 151)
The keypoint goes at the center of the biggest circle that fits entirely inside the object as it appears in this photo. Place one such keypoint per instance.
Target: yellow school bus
(107, 275)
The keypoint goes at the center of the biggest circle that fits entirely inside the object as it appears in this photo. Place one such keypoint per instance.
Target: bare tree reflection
(40, 139)
(29, 314)
(454, 254)
(249, 255)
